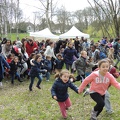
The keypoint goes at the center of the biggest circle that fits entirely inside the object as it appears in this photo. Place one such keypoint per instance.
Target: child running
(35, 71)
(59, 91)
(100, 81)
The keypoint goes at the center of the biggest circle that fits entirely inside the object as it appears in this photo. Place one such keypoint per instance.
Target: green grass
(13, 36)
(17, 103)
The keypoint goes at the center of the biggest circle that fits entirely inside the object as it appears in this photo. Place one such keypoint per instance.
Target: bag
(102, 55)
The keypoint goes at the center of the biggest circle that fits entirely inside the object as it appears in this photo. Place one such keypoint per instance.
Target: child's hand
(55, 97)
(79, 92)
(45, 70)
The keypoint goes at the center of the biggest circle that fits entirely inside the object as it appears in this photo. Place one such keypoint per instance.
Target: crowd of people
(93, 62)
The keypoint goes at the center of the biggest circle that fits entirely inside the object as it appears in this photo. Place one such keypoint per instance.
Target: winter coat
(2, 64)
(30, 48)
(47, 65)
(58, 64)
(14, 67)
(69, 54)
(36, 69)
(81, 65)
(60, 89)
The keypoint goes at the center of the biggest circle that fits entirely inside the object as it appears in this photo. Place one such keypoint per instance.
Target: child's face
(39, 59)
(16, 60)
(84, 55)
(49, 58)
(59, 57)
(65, 77)
(104, 67)
(70, 45)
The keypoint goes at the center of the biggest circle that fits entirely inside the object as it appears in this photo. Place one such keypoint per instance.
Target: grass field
(17, 103)
(13, 36)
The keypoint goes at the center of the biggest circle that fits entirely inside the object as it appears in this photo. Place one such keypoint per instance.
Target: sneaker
(86, 92)
(38, 87)
(1, 84)
(109, 111)
(93, 115)
(47, 80)
(30, 89)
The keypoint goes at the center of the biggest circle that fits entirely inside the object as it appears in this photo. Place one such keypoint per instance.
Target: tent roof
(73, 32)
(45, 33)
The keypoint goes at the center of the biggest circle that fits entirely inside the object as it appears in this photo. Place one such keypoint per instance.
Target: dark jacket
(58, 64)
(47, 65)
(36, 69)
(2, 64)
(60, 89)
(69, 54)
(14, 67)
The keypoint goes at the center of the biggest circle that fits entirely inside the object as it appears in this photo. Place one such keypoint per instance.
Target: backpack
(102, 55)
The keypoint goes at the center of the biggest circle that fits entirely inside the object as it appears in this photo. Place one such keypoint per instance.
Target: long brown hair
(37, 56)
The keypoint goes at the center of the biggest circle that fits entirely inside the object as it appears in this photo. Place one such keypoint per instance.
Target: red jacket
(30, 48)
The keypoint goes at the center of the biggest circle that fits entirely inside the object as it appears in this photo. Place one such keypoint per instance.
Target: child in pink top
(99, 82)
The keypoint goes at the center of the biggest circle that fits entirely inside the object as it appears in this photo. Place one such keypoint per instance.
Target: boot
(93, 115)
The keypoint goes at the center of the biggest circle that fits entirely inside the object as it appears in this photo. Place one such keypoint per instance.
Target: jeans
(63, 106)
(68, 67)
(13, 76)
(118, 59)
(47, 75)
(32, 80)
(99, 99)
(107, 101)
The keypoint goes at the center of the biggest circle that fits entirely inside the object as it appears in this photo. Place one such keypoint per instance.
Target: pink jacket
(97, 84)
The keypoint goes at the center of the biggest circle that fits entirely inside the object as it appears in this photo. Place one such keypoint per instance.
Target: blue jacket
(60, 89)
(69, 54)
(2, 64)
(59, 64)
(47, 65)
(36, 69)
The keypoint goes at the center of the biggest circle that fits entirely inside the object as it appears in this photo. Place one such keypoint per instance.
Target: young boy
(80, 66)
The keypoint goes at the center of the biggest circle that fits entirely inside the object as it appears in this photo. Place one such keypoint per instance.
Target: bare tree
(110, 10)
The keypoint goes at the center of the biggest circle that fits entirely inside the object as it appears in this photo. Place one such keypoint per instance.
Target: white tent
(45, 33)
(73, 32)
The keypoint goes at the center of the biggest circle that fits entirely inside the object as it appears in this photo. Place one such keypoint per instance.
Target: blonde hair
(82, 52)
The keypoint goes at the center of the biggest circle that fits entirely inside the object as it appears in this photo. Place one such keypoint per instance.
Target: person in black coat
(35, 71)
(69, 54)
(59, 91)
(13, 69)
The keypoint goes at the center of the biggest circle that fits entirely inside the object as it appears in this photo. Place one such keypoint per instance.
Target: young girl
(59, 91)
(100, 81)
(9, 59)
(35, 71)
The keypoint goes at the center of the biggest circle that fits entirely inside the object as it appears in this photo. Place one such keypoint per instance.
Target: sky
(30, 6)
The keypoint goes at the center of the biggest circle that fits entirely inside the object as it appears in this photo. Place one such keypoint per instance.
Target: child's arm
(31, 62)
(73, 87)
(53, 91)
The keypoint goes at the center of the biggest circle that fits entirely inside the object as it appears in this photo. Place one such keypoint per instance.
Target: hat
(19, 44)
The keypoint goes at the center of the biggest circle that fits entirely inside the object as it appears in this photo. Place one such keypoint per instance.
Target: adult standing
(50, 52)
(6, 48)
(31, 47)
